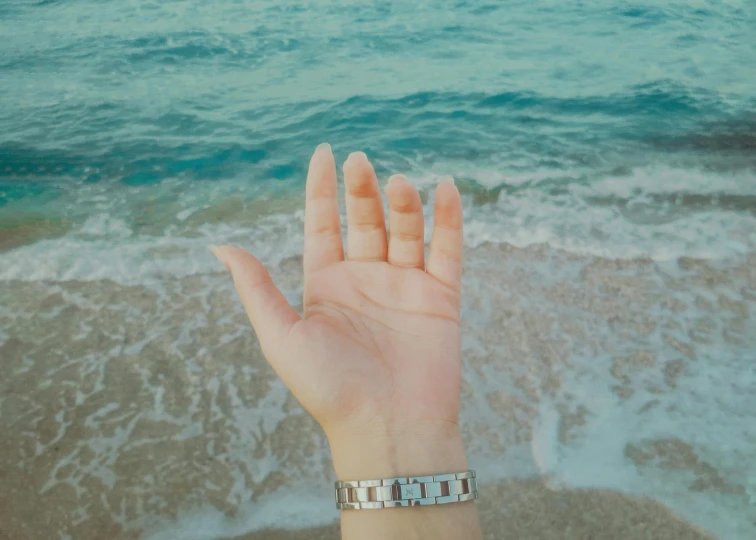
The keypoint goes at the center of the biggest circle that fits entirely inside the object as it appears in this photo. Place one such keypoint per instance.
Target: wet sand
(124, 407)
(529, 509)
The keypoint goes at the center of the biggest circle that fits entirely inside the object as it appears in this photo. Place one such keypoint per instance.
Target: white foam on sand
(709, 410)
(642, 215)
(134, 258)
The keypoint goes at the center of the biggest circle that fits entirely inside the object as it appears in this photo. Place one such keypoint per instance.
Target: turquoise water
(604, 146)
(642, 108)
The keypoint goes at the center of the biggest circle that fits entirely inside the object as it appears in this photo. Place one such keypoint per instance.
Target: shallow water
(606, 154)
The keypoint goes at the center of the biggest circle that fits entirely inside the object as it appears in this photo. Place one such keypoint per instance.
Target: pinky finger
(445, 257)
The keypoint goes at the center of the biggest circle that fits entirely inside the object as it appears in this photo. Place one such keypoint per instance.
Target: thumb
(270, 314)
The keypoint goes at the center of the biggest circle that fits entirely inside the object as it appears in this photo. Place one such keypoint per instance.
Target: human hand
(376, 358)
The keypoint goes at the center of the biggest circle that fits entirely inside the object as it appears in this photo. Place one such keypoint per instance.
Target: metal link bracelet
(408, 491)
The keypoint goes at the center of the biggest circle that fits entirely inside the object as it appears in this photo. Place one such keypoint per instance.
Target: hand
(376, 357)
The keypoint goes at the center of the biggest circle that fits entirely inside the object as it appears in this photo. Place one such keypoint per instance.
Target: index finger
(323, 245)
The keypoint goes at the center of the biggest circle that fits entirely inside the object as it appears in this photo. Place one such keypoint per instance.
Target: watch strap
(406, 491)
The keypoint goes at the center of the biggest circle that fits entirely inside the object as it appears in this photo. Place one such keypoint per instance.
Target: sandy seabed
(124, 407)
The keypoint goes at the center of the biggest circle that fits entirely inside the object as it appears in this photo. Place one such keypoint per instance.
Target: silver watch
(408, 491)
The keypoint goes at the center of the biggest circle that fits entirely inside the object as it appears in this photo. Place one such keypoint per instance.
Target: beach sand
(530, 509)
(127, 407)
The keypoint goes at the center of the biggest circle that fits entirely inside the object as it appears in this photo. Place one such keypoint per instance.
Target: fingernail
(323, 146)
(395, 179)
(447, 180)
(219, 255)
(357, 156)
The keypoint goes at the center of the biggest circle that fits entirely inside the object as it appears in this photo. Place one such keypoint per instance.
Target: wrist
(398, 450)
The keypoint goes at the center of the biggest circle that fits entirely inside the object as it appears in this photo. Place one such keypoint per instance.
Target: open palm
(377, 353)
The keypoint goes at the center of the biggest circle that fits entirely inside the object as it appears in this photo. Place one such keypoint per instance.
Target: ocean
(606, 156)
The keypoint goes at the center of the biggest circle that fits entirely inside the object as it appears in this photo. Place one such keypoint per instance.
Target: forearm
(399, 454)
